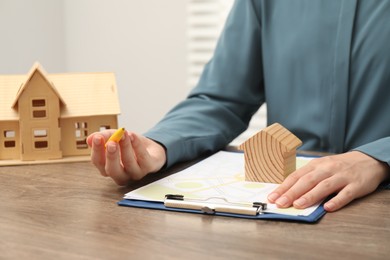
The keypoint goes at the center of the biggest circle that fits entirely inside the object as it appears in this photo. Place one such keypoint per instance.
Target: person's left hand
(351, 175)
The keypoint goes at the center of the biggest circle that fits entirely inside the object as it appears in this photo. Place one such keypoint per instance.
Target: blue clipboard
(312, 218)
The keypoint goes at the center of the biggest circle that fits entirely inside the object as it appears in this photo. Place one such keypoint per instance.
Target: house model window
(39, 108)
(40, 138)
(9, 139)
(81, 135)
(49, 116)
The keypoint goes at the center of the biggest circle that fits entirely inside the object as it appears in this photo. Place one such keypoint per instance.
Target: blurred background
(157, 49)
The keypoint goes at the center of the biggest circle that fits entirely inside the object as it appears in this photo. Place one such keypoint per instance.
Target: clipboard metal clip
(214, 205)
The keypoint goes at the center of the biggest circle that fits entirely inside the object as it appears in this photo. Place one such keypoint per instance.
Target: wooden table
(68, 211)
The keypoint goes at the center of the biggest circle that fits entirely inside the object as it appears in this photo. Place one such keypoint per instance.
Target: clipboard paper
(220, 176)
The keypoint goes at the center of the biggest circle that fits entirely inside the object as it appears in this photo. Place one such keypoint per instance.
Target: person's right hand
(131, 159)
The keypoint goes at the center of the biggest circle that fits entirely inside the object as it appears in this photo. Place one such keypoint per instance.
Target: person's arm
(379, 149)
(229, 92)
(216, 111)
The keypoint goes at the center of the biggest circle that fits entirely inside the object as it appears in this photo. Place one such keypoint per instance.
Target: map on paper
(218, 176)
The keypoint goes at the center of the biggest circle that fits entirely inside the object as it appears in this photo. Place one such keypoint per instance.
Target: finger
(320, 191)
(105, 134)
(114, 168)
(129, 159)
(90, 139)
(143, 157)
(290, 181)
(345, 196)
(306, 183)
(98, 157)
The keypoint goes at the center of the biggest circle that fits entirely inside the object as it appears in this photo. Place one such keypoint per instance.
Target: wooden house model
(48, 116)
(270, 155)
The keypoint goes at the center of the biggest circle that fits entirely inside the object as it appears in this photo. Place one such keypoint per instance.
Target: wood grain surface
(69, 211)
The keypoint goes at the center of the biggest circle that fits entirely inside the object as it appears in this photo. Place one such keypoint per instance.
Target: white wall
(31, 31)
(143, 42)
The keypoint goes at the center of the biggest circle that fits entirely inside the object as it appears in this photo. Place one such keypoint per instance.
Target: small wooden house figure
(45, 117)
(270, 155)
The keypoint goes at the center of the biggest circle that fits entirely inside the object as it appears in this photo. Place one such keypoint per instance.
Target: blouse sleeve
(228, 93)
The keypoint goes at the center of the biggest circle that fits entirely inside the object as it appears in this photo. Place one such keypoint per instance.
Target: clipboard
(312, 218)
(222, 182)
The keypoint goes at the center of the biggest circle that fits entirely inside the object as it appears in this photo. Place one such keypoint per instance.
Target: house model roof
(81, 94)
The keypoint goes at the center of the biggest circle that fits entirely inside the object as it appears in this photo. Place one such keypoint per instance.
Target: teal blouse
(322, 67)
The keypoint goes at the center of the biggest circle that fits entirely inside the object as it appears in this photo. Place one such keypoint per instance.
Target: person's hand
(351, 175)
(131, 159)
